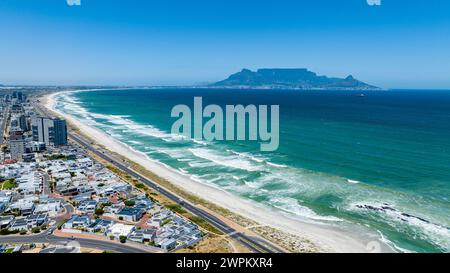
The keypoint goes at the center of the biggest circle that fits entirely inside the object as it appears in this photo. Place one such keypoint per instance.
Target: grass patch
(140, 185)
(165, 222)
(204, 224)
(176, 208)
(9, 250)
(56, 157)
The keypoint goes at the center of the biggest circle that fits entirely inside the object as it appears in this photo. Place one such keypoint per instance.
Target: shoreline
(326, 237)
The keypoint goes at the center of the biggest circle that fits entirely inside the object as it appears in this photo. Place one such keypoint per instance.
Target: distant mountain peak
(289, 78)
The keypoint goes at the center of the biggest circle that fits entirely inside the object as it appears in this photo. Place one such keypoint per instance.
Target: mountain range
(291, 78)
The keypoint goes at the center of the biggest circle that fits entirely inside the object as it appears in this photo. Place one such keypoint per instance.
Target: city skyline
(394, 45)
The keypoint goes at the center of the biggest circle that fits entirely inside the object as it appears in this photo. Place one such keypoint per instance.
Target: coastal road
(255, 244)
(84, 242)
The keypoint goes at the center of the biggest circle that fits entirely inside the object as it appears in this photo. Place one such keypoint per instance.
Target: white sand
(332, 239)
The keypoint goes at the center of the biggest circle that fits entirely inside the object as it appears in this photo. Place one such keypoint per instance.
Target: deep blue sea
(381, 160)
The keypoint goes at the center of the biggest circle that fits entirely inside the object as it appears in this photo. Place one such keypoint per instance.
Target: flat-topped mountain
(296, 78)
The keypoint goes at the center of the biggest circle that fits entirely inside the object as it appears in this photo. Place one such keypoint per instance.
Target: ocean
(381, 161)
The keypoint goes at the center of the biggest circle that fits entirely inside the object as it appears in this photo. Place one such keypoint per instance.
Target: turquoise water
(380, 160)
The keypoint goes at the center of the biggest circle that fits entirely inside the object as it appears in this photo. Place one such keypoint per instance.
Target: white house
(118, 230)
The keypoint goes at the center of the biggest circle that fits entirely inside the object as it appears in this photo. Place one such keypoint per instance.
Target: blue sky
(400, 44)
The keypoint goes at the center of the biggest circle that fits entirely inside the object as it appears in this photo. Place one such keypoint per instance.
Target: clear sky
(400, 44)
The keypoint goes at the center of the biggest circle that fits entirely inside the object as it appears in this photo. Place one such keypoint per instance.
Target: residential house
(114, 208)
(5, 221)
(118, 230)
(143, 202)
(49, 206)
(24, 206)
(168, 244)
(143, 235)
(130, 214)
(158, 218)
(100, 225)
(188, 240)
(19, 224)
(81, 198)
(84, 163)
(36, 220)
(77, 221)
(87, 206)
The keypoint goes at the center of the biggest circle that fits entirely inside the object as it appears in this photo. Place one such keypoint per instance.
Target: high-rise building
(20, 121)
(59, 132)
(51, 131)
(18, 96)
(23, 122)
(16, 144)
(36, 129)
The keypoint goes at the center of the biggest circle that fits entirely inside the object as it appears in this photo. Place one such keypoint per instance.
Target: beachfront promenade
(255, 244)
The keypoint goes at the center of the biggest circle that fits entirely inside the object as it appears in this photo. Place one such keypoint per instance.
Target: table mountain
(297, 78)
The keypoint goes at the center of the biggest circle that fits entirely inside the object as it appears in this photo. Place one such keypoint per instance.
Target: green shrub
(9, 184)
(6, 231)
(99, 211)
(56, 157)
(36, 230)
(176, 208)
(165, 222)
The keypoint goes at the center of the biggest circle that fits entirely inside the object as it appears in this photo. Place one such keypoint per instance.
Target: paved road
(3, 125)
(88, 243)
(69, 208)
(68, 213)
(257, 245)
(46, 184)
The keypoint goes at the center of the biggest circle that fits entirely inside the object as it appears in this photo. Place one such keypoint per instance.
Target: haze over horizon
(101, 42)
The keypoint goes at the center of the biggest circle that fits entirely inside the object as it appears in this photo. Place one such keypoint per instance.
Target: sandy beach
(328, 238)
